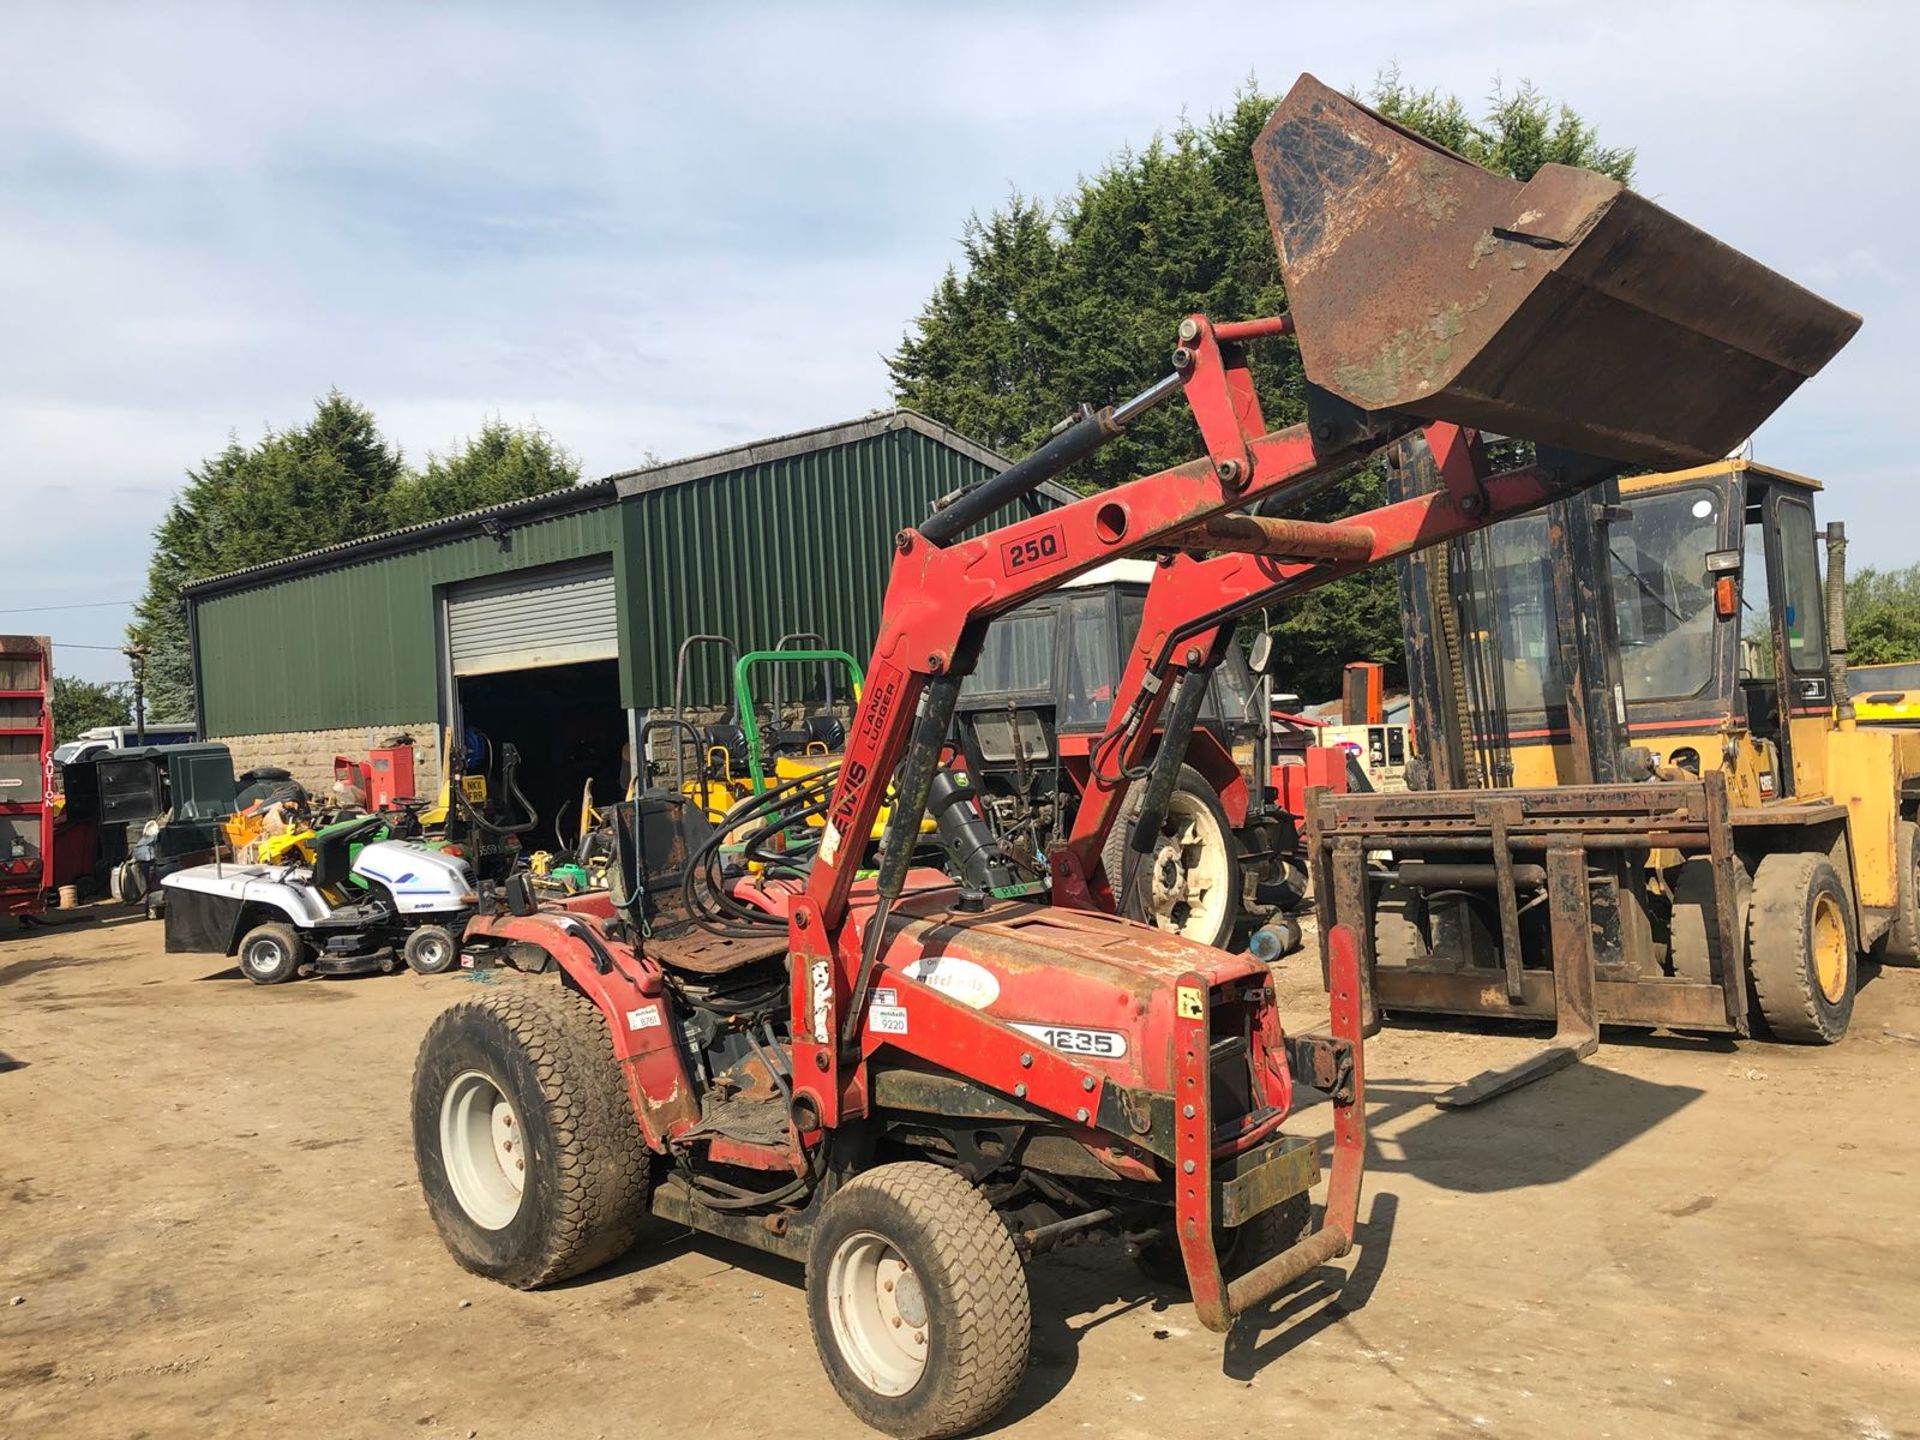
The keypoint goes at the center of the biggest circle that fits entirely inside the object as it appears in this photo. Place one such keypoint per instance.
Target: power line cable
(85, 605)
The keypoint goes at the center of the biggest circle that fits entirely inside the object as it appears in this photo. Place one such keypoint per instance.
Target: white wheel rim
(1189, 894)
(263, 957)
(484, 1148)
(430, 950)
(878, 1313)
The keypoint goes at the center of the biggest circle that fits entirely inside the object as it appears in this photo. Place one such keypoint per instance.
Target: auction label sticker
(820, 994)
(962, 980)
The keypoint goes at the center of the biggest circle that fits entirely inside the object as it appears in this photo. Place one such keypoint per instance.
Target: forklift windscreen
(1662, 595)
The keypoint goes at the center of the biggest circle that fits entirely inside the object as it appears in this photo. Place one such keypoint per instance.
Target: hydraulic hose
(1163, 776)
(1061, 451)
(509, 785)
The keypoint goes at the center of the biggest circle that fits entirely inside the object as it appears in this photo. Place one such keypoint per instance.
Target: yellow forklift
(1641, 795)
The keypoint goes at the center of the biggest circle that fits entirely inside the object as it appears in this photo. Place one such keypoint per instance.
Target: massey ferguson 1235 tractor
(913, 1086)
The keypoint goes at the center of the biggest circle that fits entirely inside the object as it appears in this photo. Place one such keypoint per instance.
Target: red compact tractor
(912, 1086)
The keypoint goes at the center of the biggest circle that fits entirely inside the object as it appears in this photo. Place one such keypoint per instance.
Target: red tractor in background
(29, 786)
(913, 1086)
(1029, 726)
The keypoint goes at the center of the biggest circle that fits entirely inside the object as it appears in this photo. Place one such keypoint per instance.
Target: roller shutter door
(522, 622)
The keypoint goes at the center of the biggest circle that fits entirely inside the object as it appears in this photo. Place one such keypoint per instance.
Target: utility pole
(136, 654)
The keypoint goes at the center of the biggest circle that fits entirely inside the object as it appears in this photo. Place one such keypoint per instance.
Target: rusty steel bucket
(1565, 310)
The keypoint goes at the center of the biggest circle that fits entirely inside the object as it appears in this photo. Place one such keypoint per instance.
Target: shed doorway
(534, 664)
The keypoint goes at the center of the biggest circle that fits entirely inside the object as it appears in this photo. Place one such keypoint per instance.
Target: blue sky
(668, 229)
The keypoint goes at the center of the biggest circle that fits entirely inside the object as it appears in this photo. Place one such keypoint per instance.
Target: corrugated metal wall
(802, 543)
(356, 646)
(799, 544)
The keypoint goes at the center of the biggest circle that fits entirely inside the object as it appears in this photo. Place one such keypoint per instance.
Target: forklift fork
(1576, 1031)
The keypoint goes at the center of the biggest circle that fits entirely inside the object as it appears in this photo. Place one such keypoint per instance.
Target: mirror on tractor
(1260, 653)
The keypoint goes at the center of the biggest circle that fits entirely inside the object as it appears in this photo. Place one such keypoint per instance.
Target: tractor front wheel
(918, 1301)
(431, 950)
(532, 1165)
(1800, 948)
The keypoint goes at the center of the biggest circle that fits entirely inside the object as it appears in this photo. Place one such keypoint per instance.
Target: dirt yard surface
(209, 1226)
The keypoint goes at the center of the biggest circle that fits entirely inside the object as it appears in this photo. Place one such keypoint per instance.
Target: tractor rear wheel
(271, 954)
(532, 1165)
(1800, 948)
(1189, 883)
(1901, 943)
(918, 1301)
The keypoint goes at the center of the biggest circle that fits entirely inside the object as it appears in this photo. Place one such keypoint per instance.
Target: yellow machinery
(1643, 794)
(1886, 694)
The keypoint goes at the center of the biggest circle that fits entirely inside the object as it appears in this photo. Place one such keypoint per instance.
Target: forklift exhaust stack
(1565, 310)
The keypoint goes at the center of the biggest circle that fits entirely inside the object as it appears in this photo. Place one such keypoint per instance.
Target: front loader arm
(942, 592)
(936, 593)
(1192, 603)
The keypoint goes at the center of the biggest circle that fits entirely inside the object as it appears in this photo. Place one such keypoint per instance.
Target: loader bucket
(1565, 310)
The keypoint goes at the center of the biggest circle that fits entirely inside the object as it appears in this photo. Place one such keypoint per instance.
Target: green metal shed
(596, 585)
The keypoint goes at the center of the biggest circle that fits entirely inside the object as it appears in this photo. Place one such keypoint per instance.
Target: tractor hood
(1090, 985)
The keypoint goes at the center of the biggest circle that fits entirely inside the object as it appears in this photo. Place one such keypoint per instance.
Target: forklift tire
(918, 1301)
(533, 1167)
(431, 950)
(1693, 939)
(1800, 949)
(1131, 873)
(271, 954)
(1240, 1250)
(1901, 943)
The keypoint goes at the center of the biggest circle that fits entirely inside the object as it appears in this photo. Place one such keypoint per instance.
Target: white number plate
(1070, 1040)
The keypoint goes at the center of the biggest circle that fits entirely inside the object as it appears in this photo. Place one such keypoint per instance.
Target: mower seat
(333, 849)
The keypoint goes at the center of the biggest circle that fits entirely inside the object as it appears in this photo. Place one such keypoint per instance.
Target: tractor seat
(787, 737)
(725, 736)
(828, 729)
(655, 837)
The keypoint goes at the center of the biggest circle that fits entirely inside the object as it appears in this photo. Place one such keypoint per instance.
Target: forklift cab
(1721, 617)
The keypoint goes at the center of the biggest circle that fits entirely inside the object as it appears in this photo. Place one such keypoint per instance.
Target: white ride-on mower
(363, 901)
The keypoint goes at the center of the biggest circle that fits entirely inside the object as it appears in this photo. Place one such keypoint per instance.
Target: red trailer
(27, 788)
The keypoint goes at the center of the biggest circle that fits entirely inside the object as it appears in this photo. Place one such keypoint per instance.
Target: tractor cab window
(1017, 656)
(1662, 593)
(1093, 662)
(1229, 698)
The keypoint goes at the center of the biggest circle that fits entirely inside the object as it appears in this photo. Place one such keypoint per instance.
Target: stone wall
(309, 753)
